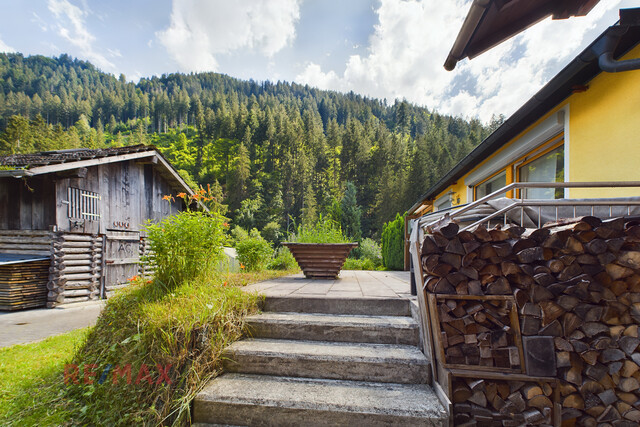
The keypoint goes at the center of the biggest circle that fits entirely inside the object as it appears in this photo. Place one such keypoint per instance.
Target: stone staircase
(325, 361)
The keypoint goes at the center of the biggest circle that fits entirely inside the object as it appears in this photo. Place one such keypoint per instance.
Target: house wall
(27, 204)
(601, 137)
(605, 132)
(131, 192)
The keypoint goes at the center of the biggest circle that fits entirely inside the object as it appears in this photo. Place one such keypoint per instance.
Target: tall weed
(185, 244)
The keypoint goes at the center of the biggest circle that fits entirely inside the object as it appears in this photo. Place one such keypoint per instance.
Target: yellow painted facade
(601, 138)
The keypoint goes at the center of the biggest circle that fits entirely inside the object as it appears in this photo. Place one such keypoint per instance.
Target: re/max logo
(73, 374)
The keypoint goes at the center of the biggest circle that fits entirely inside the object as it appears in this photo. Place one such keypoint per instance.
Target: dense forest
(282, 153)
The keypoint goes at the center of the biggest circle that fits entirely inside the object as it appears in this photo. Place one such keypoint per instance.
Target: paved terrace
(350, 284)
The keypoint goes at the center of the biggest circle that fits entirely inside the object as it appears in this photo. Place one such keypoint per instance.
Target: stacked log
(23, 285)
(76, 269)
(576, 286)
(481, 402)
(147, 268)
(479, 333)
(25, 242)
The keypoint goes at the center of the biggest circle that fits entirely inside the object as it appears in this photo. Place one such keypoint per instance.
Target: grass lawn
(31, 384)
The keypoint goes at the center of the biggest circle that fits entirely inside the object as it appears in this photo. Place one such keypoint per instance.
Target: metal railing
(522, 202)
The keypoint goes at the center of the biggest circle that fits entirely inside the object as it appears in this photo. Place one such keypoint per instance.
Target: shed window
(490, 185)
(83, 204)
(549, 167)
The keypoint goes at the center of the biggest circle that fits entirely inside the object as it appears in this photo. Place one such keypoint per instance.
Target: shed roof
(490, 22)
(577, 73)
(21, 165)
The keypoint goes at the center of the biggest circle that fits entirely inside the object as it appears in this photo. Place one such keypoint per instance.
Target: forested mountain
(280, 151)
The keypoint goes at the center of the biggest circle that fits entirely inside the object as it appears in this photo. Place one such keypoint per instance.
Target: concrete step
(387, 363)
(241, 399)
(332, 327)
(355, 306)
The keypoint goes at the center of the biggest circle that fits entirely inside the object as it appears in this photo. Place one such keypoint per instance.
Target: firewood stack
(501, 403)
(576, 287)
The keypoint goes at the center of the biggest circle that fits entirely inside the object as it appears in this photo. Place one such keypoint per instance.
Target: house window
(490, 185)
(547, 167)
(83, 204)
(443, 202)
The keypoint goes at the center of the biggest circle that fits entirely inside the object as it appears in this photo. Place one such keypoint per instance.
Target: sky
(392, 49)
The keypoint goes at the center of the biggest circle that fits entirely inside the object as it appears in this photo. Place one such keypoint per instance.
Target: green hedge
(393, 243)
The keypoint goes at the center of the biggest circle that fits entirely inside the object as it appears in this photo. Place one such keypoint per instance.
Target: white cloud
(412, 39)
(114, 53)
(5, 48)
(71, 27)
(202, 29)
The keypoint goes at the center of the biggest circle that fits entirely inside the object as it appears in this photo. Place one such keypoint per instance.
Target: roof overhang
(490, 22)
(167, 171)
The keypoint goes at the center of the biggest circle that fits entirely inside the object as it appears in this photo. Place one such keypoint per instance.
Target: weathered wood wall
(27, 204)
(131, 193)
(76, 270)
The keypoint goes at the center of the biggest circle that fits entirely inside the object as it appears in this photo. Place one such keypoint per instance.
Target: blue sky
(381, 48)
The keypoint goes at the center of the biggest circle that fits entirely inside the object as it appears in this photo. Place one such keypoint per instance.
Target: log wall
(540, 324)
(76, 270)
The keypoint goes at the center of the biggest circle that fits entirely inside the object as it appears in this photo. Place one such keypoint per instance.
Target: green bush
(272, 233)
(369, 249)
(359, 264)
(185, 244)
(282, 260)
(254, 252)
(325, 230)
(393, 243)
(238, 234)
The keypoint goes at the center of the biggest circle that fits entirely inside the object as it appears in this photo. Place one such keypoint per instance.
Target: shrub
(254, 252)
(359, 264)
(185, 244)
(238, 234)
(282, 260)
(272, 233)
(370, 250)
(393, 243)
(325, 230)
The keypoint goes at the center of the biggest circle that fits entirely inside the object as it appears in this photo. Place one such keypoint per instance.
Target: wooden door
(122, 257)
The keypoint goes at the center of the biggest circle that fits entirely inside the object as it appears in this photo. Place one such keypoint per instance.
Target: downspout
(604, 50)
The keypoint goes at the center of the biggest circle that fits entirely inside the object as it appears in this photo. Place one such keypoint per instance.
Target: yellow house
(584, 125)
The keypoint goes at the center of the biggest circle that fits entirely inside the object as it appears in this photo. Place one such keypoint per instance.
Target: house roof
(576, 74)
(490, 22)
(21, 165)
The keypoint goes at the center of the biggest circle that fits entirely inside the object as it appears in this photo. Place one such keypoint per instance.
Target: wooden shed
(83, 209)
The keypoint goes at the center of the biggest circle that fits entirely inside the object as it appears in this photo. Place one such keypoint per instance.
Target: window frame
(499, 172)
(542, 153)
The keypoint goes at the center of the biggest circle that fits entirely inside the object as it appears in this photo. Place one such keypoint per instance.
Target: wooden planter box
(320, 260)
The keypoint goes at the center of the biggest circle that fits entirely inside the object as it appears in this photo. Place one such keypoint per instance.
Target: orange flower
(225, 224)
(149, 281)
(133, 279)
(182, 195)
(225, 283)
(241, 265)
(168, 198)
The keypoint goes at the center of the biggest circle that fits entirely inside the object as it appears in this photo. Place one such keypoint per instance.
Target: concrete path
(350, 284)
(21, 327)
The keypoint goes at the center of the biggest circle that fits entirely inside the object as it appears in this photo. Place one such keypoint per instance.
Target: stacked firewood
(478, 333)
(576, 286)
(478, 402)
